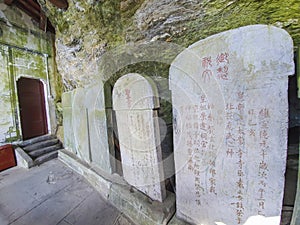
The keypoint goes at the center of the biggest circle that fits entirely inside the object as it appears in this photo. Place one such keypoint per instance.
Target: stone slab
(133, 91)
(230, 108)
(80, 124)
(66, 99)
(23, 160)
(176, 221)
(139, 135)
(69, 139)
(86, 170)
(53, 194)
(132, 203)
(85, 125)
(63, 222)
(141, 157)
(100, 153)
(97, 126)
(31, 188)
(139, 208)
(52, 127)
(57, 207)
(89, 210)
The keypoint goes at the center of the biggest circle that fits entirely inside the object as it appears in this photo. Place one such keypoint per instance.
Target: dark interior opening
(291, 174)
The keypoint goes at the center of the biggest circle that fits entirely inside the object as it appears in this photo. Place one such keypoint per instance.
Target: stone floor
(53, 194)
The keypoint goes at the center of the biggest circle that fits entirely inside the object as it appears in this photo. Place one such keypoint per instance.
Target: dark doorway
(32, 107)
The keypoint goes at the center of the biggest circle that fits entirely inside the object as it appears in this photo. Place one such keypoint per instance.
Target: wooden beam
(34, 4)
(31, 11)
(43, 22)
(28, 12)
(62, 4)
(8, 2)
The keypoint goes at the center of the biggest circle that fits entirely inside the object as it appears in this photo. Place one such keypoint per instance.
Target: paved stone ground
(53, 194)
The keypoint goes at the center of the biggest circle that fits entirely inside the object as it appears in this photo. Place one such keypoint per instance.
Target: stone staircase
(41, 149)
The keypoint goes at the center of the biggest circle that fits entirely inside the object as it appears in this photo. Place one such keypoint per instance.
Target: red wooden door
(32, 107)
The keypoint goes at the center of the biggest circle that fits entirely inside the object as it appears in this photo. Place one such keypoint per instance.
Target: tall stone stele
(85, 126)
(135, 101)
(230, 108)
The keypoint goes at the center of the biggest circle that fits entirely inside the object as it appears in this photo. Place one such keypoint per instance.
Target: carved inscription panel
(229, 95)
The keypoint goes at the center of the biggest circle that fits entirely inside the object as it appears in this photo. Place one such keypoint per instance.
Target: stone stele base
(134, 204)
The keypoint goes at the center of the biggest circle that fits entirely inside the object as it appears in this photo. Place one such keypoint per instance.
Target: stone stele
(85, 125)
(69, 142)
(230, 110)
(135, 101)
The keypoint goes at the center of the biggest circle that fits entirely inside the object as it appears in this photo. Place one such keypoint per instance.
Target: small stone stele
(135, 101)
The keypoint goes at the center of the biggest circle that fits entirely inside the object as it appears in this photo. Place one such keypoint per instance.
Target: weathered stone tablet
(85, 125)
(80, 124)
(97, 127)
(230, 110)
(69, 142)
(135, 101)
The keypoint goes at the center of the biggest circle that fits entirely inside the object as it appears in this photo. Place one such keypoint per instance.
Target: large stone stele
(230, 110)
(85, 125)
(135, 101)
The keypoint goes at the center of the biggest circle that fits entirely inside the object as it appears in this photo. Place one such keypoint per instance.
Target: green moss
(219, 17)
(11, 139)
(13, 97)
(111, 23)
(128, 8)
(24, 37)
(144, 68)
(11, 135)
(19, 37)
(100, 20)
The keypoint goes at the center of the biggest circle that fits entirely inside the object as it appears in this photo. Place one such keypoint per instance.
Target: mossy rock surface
(89, 29)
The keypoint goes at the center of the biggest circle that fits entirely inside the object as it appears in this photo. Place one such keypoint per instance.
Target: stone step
(36, 140)
(40, 145)
(42, 151)
(46, 157)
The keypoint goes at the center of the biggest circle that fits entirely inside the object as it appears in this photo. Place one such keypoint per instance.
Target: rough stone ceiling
(33, 9)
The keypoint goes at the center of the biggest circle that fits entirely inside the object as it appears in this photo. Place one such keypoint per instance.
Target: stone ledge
(23, 160)
(134, 204)
(84, 169)
(141, 209)
(177, 221)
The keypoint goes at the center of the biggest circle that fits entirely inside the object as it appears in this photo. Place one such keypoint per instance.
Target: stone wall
(88, 29)
(25, 51)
